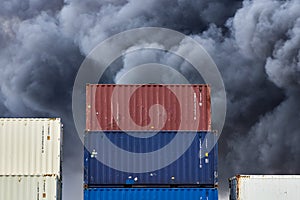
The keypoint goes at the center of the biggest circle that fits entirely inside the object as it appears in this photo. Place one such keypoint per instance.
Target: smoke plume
(255, 44)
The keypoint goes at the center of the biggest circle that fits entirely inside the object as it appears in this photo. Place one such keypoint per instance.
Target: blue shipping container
(151, 193)
(149, 158)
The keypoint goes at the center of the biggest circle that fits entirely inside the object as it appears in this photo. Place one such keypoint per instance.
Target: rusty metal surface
(148, 107)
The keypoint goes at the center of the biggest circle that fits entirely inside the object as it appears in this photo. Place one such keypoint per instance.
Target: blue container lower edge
(145, 158)
(151, 193)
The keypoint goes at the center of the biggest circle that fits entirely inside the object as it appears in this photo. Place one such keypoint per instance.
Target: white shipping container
(30, 188)
(30, 146)
(265, 187)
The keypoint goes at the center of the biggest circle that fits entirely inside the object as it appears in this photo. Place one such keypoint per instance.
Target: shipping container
(151, 193)
(163, 158)
(265, 187)
(30, 146)
(30, 188)
(148, 107)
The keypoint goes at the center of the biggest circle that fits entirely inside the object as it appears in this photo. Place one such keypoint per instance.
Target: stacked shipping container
(266, 187)
(151, 193)
(30, 158)
(191, 163)
(30, 187)
(139, 107)
(147, 136)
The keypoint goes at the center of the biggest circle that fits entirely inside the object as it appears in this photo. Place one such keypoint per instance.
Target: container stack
(30, 158)
(149, 142)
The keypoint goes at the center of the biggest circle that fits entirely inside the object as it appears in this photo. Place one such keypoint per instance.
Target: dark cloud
(96, 20)
(256, 46)
(25, 9)
(262, 78)
(38, 67)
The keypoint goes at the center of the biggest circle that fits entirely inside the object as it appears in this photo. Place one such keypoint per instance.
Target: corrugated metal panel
(129, 107)
(30, 146)
(266, 187)
(30, 188)
(187, 169)
(151, 193)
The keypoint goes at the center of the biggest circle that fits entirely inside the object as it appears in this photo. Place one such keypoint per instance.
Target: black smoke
(255, 44)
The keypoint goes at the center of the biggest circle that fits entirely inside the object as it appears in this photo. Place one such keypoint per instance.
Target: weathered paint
(188, 169)
(151, 193)
(30, 146)
(30, 188)
(148, 107)
(264, 187)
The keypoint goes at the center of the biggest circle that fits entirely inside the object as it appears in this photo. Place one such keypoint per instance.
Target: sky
(255, 45)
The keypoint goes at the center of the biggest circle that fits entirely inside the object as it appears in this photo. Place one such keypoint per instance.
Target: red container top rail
(148, 107)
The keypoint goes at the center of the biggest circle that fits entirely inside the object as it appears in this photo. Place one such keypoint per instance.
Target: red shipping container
(148, 107)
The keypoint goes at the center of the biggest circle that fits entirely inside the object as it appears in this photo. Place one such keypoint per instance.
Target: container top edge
(38, 176)
(148, 188)
(90, 84)
(146, 131)
(264, 176)
(32, 119)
